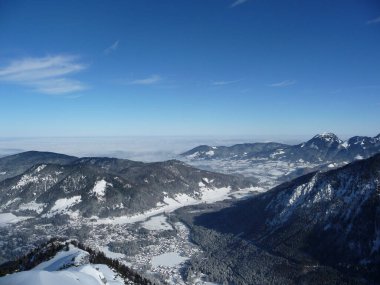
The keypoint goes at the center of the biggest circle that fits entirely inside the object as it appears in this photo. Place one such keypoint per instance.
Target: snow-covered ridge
(69, 267)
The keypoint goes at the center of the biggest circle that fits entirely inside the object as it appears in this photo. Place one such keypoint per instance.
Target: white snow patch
(169, 259)
(9, 203)
(9, 218)
(211, 195)
(62, 205)
(278, 152)
(41, 167)
(178, 200)
(100, 187)
(210, 153)
(194, 155)
(157, 223)
(42, 277)
(247, 192)
(345, 144)
(33, 206)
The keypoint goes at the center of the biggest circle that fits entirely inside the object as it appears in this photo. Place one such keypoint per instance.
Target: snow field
(9, 218)
(77, 272)
(169, 259)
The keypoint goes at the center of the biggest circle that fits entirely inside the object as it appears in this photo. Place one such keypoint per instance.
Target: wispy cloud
(220, 83)
(283, 83)
(153, 79)
(45, 74)
(112, 48)
(238, 2)
(374, 21)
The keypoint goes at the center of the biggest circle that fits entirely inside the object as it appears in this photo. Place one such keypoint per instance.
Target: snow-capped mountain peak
(327, 137)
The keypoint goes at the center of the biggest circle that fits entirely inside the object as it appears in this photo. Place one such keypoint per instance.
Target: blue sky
(187, 68)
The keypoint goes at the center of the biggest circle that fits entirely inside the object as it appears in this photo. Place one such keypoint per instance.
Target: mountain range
(322, 148)
(49, 184)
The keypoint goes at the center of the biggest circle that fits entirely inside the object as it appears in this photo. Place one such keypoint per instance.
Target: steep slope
(330, 218)
(105, 187)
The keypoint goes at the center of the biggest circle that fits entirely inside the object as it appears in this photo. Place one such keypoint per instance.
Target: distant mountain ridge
(321, 148)
(245, 150)
(102, 187)
(16, 164)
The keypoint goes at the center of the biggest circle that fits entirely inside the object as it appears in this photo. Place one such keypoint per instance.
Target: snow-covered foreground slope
(84, 275)
(69, 267)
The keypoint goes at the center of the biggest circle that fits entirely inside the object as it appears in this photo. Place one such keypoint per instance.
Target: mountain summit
(326, 138)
